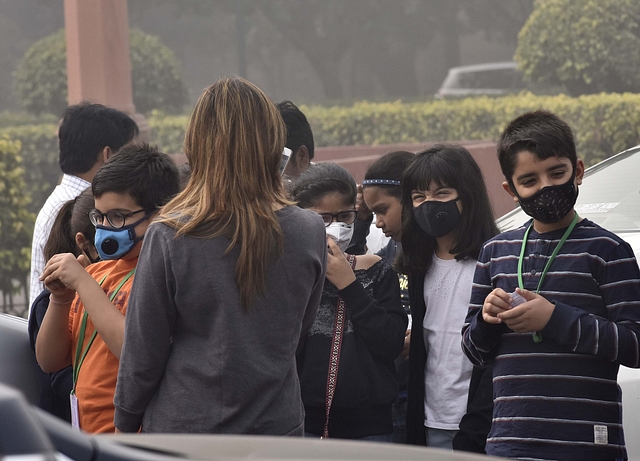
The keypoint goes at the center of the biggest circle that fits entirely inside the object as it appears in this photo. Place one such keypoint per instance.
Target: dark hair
(446, 166)
(389, 166)
(298, 129)
(184, 173)
(139, 170)
(542, 133)
(319, 180)
(72, 218)
(86, 129)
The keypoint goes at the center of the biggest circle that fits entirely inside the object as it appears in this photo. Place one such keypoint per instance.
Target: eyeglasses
(346, 217)
(114, 217)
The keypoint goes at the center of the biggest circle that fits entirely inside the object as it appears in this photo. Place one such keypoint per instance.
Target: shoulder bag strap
(334, 357)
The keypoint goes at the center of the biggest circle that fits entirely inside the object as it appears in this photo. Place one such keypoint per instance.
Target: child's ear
(507, 187)
(106, 153)
(80, 240)
(302, 157)
(579, 171)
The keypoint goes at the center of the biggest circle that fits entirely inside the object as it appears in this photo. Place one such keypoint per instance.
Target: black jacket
(366, 384)
(54, 387)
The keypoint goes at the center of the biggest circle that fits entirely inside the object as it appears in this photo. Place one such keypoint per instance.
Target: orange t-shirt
(97, 378)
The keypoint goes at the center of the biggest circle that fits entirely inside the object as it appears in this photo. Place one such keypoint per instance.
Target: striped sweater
(559, 399)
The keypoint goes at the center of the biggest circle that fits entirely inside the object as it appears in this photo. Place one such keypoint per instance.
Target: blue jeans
(440, 438)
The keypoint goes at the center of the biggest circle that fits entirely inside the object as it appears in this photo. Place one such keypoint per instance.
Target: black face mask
(437, 219)
(552, 203)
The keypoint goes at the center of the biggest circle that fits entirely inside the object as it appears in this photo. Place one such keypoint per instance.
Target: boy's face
(546, 189)
(532, 174)
(125, 204)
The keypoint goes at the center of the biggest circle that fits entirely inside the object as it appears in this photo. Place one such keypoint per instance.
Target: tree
(41, 76)
(156, 75)
(386, 36)
(589, 46)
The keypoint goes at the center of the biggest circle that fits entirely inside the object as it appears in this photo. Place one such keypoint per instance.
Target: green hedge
(12, 119)
(39, 152)
(603, 124)
(167, 131)
(16, 223)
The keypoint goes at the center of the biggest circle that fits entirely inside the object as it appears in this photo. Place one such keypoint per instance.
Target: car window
(493, 78)
(609, 195)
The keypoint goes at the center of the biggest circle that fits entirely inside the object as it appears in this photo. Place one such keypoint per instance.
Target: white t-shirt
(447, 289)
(68, 189)
(376, 240)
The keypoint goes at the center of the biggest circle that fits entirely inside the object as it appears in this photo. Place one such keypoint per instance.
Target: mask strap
(91, 259)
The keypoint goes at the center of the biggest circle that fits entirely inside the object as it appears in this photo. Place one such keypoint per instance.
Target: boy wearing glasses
(84, 325)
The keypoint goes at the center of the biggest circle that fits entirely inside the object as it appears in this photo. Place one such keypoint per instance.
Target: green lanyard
(537, 337)
(80, 354)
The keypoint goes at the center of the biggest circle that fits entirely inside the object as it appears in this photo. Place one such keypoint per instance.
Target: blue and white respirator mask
(115, 243)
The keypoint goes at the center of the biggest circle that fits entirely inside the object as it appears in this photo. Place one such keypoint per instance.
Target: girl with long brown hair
(228, 279)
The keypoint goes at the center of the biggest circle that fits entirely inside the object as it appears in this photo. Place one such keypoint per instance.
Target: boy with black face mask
(555, 306)
(84, 324)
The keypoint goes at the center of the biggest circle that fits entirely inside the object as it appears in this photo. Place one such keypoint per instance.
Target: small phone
(284, 160)
(516, 299)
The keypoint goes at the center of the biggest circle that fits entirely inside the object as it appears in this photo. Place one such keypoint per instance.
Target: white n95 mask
(341, 233)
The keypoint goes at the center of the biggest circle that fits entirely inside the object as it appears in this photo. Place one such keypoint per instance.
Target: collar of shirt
(75, 183)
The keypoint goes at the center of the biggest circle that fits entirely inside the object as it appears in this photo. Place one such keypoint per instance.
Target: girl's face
(388, 211)
(436, 193)
(334, 207)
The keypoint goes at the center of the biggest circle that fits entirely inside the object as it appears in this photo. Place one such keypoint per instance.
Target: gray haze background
(309, 51)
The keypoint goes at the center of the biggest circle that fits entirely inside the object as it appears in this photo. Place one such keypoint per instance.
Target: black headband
(378, 182)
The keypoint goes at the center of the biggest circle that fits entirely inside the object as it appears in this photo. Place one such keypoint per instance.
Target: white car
(493, 79)
(610, 196)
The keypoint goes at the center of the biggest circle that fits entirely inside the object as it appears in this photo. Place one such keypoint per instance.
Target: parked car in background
(493, 78)
(610, 196)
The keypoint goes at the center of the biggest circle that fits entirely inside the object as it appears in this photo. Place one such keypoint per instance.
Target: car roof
(484, 66)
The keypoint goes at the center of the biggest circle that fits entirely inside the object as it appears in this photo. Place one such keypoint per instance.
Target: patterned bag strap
(334, 357)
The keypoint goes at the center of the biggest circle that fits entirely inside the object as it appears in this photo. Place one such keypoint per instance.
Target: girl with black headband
(383, 196)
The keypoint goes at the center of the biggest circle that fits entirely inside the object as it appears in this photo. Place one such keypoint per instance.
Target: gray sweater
(193, 360)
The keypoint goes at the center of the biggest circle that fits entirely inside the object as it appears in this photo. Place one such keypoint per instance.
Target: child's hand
(339, 270)
(496, 302)
(530, 316)
(407, 344)
(63, 272)
(82, 259)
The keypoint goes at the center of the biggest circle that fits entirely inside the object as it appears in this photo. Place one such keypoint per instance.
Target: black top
(54, 387)
(373, 338)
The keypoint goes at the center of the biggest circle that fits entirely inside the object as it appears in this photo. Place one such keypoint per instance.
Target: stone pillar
(98, 65)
